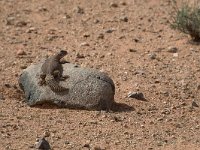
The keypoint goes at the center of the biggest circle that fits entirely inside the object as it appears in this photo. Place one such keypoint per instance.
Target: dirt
(133, 42)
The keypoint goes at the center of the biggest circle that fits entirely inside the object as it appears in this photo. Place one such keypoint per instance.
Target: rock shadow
(122, 107)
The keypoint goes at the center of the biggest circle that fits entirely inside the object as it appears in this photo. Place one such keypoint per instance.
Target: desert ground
(130, 40)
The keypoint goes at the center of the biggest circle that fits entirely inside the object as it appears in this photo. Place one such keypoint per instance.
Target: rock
(2, 97)
(110, 30)
(123, 3)
(194, 104)
(113, 5)
(152, 56)
(132, 50)
(21, 52)
(125, 19)
(21, 23)
(175, 55)
(88, 88)
(32, 30)
(42, 144)
(84, 44)
(101, 36)
(136, 95)
(79, 10)
(10, 21)
(172, 49)
(78, 55)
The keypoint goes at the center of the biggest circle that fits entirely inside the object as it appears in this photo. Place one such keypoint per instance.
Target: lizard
(52, 72)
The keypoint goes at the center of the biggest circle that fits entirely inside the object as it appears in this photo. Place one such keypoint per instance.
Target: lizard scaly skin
(52, 71)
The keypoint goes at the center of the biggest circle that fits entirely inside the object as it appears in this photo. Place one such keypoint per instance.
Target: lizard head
(61, 54)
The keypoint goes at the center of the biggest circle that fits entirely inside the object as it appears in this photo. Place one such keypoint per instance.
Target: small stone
(7, 85)
(194, 104)
(66, 16)
(78, 55)
(101, 36)
(43, 8)
(113, 5)
(87, 144)
(132, 50)
(123, 3)
(175, 55)
(31, 30)
(96, 21)
(42, 144)
(21, 52)
(2, 97)
(46, 134)
(86, 35)
(23, 67)
(136, 40)
(172, 49)
(152, 56)
(110, 30)
(21, 23)
(79, 10)
(125, 19)
(136, 95)
(84, 44)
(10, 21)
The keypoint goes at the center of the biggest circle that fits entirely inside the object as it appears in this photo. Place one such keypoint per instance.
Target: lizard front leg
(42, 79)
(57, 74)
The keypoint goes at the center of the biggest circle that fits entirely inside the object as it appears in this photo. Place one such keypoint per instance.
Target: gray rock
(136, 95)
(194, 104)
(42, 144)
(152, 56)
(172, 49)
(88, 88)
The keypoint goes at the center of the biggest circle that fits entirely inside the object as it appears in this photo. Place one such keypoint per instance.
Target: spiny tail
(51, 82)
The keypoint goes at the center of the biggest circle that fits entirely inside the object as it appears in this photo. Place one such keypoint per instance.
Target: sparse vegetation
(187, 19)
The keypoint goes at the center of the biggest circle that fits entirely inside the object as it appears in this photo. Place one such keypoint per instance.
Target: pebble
(125, 19)
(132, 50)
(2, 97)
(172, 49)
(31, 30)
(110, 30)
(78, 55)
(21, 52)
(194, 104)
(10, 21)
(84, 44)
(21, 23)
(79, 10)
(113, 5)
(152, 56)
(175, 55)
(101, 36)
(23, 67)
(123, 3)
(42, 144)
(7, 85)
(46, 134)
(136, 95)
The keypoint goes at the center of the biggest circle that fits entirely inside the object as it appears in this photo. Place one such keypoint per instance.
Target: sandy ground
(132, 41)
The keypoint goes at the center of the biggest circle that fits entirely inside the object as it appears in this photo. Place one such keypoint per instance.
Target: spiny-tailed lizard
(52, 72)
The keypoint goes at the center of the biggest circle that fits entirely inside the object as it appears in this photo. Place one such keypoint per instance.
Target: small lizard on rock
(52, 71)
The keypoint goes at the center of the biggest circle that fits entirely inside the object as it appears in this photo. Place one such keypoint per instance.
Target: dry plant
(187, 19)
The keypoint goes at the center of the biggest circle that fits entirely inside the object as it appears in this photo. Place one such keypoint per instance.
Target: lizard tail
(53, 84)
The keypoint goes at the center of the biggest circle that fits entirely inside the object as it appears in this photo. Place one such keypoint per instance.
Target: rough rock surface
(88, 88)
